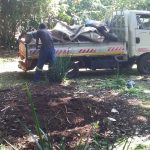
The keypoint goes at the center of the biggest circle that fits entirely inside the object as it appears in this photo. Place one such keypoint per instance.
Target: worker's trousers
(46, 55)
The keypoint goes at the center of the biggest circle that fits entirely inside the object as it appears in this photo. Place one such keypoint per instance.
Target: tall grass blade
(129, 144)
(30, 133)
(10, 144)
(47, 139)
(35, 118)
(86, 146)
(118, 143)
(126, 141)
(63, 144)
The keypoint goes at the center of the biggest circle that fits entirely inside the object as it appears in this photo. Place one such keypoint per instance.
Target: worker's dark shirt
(45, 36)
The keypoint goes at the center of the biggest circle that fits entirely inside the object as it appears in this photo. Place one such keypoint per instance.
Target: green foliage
(35, 119)
(58, 71)
(120, 84)
(142, 147)
(22, 14)
(133, 91)
(63, 14)
(128, 4)
(117, 83)
(146, 112)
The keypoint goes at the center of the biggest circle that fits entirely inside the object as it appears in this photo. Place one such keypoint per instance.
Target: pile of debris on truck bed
(89, 32)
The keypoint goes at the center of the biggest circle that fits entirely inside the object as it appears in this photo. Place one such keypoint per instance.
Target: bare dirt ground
(66, 111)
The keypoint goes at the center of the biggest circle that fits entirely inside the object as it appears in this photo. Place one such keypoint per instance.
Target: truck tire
(143, 64)
(126, 65)
(73, 71)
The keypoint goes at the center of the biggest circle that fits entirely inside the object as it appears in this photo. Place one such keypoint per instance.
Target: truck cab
(133, 27)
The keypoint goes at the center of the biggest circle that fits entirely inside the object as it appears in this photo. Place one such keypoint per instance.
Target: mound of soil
(64, 111)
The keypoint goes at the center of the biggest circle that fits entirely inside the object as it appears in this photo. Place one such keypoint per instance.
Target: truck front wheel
(143, 64)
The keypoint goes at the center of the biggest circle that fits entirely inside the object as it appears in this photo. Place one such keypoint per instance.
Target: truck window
(143, 21)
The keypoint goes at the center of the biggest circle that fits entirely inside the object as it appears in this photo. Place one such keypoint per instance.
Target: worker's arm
(37, 40)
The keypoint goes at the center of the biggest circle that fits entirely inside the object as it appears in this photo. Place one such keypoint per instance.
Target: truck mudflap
(22, 65)
(22, 50)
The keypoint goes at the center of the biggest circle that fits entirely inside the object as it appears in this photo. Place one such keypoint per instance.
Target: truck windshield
(143, 21)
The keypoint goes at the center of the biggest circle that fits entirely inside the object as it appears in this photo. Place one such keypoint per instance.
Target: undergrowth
(120, 85)
(58, 71)
(117, 83)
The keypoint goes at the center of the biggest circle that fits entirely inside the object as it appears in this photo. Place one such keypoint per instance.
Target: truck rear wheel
(143, 64)
(73, 71)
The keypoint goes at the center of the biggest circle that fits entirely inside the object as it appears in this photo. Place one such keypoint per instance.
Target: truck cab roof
(131, 12)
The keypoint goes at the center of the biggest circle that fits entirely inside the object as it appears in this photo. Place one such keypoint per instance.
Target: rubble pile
(90, 31)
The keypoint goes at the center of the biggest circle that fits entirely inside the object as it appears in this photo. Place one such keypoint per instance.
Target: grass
(146, 102)
(12, 79)
(8, 59)
(142, 147)
(108, 80)
(146, 112)
(116, 83)
(2, 147)
(11, 75)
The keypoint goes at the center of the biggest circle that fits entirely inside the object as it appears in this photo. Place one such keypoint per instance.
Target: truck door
(142, 33)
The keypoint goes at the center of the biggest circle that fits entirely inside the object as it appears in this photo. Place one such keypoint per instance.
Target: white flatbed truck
(133, 46)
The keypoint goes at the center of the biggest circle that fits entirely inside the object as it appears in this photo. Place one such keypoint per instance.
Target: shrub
(58, 71)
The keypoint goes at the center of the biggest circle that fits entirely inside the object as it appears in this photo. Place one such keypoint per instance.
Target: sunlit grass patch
(114, 83)
(142, 147)
(117, 84)
(146, 102)
(146, 112)
(2, 147)
(9, 59)
(12, 79)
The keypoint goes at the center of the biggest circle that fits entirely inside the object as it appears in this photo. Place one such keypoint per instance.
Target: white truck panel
(82, 49)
